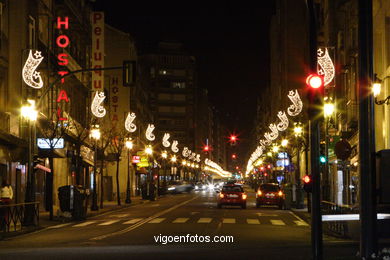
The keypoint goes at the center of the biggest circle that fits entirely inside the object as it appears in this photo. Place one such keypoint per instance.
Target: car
(270, 194)
(200, 186)
(179, 187)
(232, 194)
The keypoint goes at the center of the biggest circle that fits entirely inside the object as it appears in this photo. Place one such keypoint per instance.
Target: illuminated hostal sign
(136, 159)
(46, 143)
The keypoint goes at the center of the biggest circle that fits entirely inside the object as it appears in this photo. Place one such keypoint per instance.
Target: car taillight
(259, 192)
(221, 195)
(244, 196)
(280, 193)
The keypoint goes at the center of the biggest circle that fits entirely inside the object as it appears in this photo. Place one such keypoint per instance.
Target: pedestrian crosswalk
(186, 220)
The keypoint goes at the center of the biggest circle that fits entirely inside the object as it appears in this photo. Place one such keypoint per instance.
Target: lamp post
(149, 152)
(173, 162)
(95, 134)
(328, 112)
(164, 155)
(129, 146)
(30, 114)
(298, 134)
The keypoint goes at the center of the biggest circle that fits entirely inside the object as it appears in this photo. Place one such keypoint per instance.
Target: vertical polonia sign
(97, 21)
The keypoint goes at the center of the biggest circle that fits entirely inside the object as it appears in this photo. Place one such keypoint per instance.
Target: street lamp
(284, 142)
(164, 155)
(29, 113)
(376, 90)
(129, 146)
(94, 134)
(329, 109)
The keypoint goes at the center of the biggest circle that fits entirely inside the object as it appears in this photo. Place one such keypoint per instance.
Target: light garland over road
(174, 146)
(293, 110)
(165, 141)
(214, 167)
(30, 76)
(149, 133)
(96, 107)
(129, 125)
(325, 65)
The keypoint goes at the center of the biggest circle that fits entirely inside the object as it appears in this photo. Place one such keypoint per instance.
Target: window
(163, 96)
(179, 109)
(181, 85)
(31, 32)
(179, 97)
(232, 189)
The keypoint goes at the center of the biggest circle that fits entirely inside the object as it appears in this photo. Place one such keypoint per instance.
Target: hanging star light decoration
(30, 76)
(149, 133)
(283, 125)
(265, 142)
(297, 104)
(96, 107)
(174, 146)
(325, 65)
(129, 125)
(192, 156)
(198, 158)
(165, 141)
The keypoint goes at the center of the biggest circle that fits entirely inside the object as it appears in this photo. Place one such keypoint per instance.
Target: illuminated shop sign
(46, 143)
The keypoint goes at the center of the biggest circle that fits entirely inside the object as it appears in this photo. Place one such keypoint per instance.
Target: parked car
(270, 194)
(179, 187)
(232, 194)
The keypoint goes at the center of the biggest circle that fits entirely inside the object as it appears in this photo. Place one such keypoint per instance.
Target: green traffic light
(322, 159)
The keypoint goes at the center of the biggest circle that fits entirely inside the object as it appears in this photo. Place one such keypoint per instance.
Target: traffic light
(234, 156)
(308, 183)
(315, 81)
(323, 158)
(129, 72)
(206, 148)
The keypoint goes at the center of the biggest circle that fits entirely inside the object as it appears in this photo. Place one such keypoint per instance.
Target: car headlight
(211, 186)
(196, 187)
(204, 187)
(171, 188)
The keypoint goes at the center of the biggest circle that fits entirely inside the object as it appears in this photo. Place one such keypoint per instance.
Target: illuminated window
(181, 85)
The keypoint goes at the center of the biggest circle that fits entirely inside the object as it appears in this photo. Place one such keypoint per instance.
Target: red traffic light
(234, 156)
(206, 148)
(261, 168)
(306, 179)
(233, 138)
(269, 166)
(314, 81)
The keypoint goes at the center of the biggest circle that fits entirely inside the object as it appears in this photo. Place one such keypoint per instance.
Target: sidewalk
(45, 222)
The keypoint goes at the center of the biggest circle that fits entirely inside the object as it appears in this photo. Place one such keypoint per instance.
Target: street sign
(343, 149)
(46, 143)
(136, 159)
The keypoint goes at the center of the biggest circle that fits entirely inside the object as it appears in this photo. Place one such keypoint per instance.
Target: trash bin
(287, 188)
(72, 200)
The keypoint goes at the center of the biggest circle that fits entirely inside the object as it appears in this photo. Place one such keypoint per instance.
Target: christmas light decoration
(297, 105)
(185, 152)
(97, 109)
(214, 167)
(165, 141)
(274, 133)
(192, 156)
(174, 146)
(325, 65)
(265, 142)
(30, 76)
(283, 125)
(198, 158)
(149, 135)
(129, 125)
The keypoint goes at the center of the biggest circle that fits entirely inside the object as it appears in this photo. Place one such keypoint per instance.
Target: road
(265, 233)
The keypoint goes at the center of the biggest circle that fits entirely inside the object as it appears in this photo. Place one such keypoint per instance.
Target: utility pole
(368, 217)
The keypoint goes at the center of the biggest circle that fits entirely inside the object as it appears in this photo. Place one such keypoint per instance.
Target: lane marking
(266, 215)
(140, 223)
(180, 220)
(277, 222)
(108, 222)
(120, 215)
(205, 220)
(297, 217)
(252, 221)
(84, 224)
(132, 221)
(300, 223)
(156, 220)
(229, 221)
(59, 226)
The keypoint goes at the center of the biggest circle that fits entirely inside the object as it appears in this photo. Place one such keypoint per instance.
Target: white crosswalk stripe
(300, 223)
(229, 221)
(156, 220)
(84, 224)
(108, 222)
(133, 221)
(180, 220)
(277, 222)
(252, 221)
(60, 226)
(205, 220)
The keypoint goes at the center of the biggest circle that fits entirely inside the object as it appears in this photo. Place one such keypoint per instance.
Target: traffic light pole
(368, 217)
(314, 115)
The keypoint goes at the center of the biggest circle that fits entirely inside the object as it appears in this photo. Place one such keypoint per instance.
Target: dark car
(232, 194)
(270, 194)
(179, 187)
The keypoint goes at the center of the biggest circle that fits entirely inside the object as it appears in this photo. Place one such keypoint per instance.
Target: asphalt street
(182, 226)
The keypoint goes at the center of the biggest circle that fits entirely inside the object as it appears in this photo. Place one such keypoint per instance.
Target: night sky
(230, 43)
